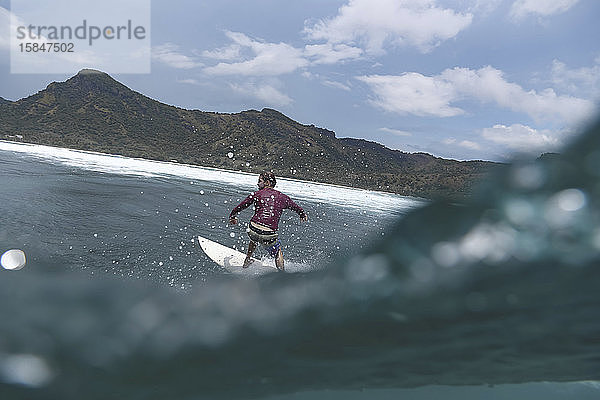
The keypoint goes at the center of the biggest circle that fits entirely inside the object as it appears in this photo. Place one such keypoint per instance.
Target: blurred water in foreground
(401, 299)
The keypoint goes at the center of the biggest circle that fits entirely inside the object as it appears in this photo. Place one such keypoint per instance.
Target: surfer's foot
(247, 263)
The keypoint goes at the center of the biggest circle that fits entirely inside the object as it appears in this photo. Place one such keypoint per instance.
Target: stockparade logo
(68, 36)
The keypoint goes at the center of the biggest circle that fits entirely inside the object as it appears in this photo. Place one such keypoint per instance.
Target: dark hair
(269, 176)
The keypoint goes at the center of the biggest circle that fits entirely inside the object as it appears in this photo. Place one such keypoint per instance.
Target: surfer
(268, 207)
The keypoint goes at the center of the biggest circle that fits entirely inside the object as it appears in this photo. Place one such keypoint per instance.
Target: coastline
(295, 186)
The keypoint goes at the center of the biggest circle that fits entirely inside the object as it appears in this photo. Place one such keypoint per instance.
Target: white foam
(114, 164)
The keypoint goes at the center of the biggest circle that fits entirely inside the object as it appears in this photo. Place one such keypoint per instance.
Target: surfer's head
(267, 178)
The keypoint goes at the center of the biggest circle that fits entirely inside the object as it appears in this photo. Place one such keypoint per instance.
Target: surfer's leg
(279, 260)
(251, 248)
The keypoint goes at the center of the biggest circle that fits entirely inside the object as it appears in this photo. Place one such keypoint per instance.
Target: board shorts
(269, 239)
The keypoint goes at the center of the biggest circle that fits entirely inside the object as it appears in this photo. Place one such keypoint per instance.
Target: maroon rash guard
(268, 207)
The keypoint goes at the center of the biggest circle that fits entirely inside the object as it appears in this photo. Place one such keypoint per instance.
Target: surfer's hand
(304, 218)
(233, 221)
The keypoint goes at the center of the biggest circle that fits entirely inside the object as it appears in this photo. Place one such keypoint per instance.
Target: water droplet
(571, 199)
(445, 254)
(528, 177)
(13, 259)
(25, 369)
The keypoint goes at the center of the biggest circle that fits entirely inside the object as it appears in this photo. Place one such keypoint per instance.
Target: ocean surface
(385, 296)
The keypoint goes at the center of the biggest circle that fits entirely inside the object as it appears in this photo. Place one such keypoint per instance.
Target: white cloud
(396, 132)
(347, 86)
(231, 52)
(414, 93)
(523, 139)
(4, 29)
(329, 53)
(488, 85)
(169, 54)
(503, 141)
(374, 23)
(523, 8)
(483, 8)
(9, 23)
(468, 144)
(337, 85)
(269, 59)
(580, 80)
(268, 94)
(189, 81)
(272, 59)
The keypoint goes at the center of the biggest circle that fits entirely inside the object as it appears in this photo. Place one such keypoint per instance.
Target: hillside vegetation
(92, 111)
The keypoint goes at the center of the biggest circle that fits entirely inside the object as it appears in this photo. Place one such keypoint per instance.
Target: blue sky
(464, 79)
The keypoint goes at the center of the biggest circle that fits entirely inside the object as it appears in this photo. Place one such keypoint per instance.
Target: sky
(463, 79)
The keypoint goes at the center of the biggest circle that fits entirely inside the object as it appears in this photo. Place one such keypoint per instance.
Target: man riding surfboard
(268, 207)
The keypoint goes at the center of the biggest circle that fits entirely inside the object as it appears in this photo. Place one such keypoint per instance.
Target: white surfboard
(232, 260)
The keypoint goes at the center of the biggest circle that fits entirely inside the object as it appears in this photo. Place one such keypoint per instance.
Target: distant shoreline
(7, 145)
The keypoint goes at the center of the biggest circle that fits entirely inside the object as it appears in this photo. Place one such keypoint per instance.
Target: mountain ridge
(93, 111)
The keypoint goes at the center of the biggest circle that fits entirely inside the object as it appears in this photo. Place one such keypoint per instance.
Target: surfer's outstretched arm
(242, 206)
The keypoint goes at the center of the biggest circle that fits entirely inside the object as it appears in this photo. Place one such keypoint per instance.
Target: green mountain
(3, 100)
(92, 111)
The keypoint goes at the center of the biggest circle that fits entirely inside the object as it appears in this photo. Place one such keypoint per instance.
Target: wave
(499, 289)
(115, 164)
